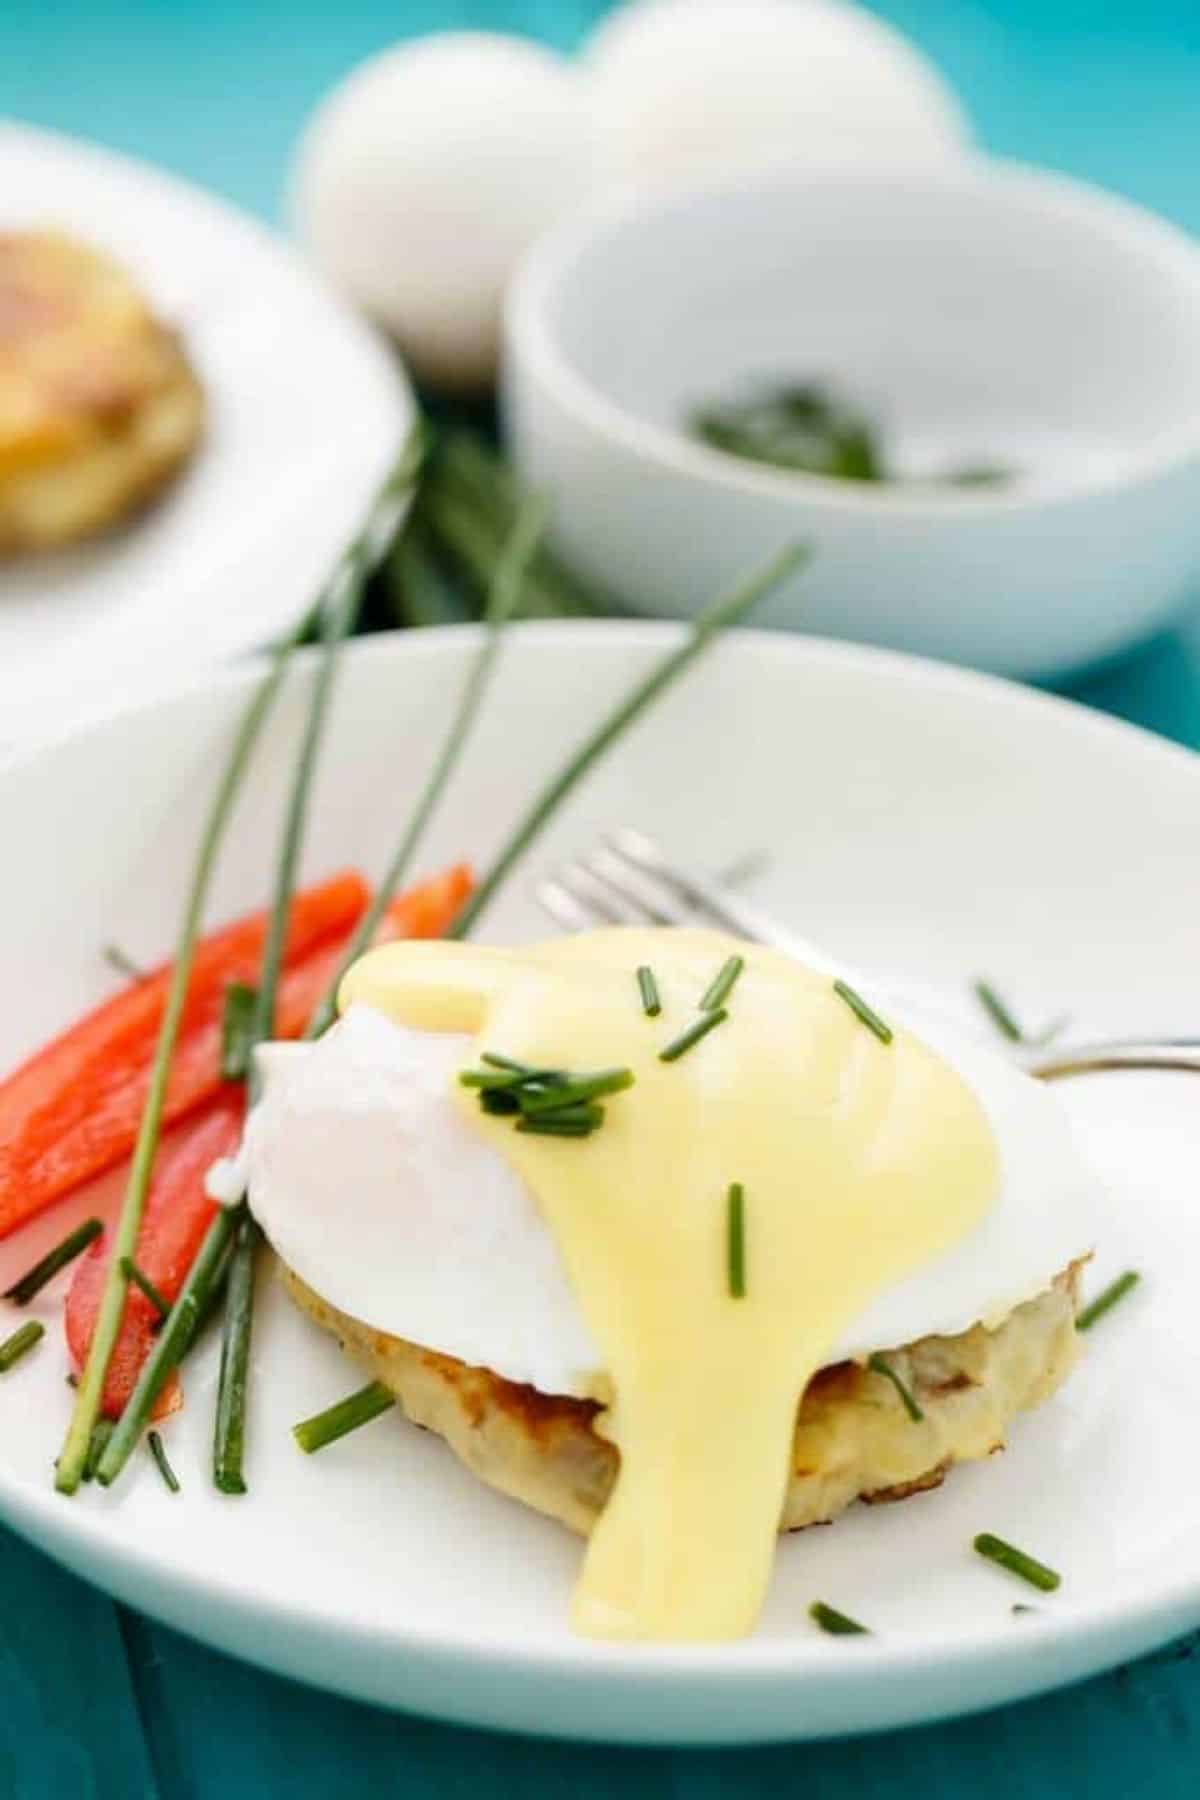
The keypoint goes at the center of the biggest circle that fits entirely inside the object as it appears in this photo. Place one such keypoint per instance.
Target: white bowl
(978, 311)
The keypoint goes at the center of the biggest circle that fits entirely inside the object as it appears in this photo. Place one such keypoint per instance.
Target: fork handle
(1179, 1054)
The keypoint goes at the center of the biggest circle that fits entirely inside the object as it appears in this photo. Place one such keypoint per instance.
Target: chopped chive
(574, 1090)
(1104, 1302)
(20, 1343)
(499, 1102)
(131, 1272)
(496, 1061)
(729, 610)
(102, 1430)
(1002, 1017)
(343, 1417)
(238, 1030)
(719, 988)
(648, 989)
(735, 1240)
(837, 1624)
(881, 1366)
(158, 1451)
(229, 1434)
(700, 1028)
(998, 1012)
(117, 959)
(34, 1280)
(1022, 1607)
(563, 1124)
(867, 1014)
(1017, 1562)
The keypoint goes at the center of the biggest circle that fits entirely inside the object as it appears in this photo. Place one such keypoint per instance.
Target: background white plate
(921, 820)
(306, 409)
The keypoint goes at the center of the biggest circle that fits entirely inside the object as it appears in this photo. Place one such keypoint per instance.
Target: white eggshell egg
(682, 86)
(425, 175)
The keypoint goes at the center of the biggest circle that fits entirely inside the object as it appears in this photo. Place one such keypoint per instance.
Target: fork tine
(648, 901)
(603, 903)
(567, 912)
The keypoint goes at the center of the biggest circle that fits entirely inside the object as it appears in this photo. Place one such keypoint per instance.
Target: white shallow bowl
(306, 408)
(978, 311)
(915, 819)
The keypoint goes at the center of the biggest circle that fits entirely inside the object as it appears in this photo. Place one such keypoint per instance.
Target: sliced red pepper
(73, 1109)
(178, 1212)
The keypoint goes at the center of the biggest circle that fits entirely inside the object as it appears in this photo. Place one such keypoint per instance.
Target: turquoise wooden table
(97, 1703)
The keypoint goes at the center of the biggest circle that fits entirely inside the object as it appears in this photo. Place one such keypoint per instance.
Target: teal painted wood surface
(97, 1703)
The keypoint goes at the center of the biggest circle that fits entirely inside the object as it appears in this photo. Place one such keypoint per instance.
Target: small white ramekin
(993, 310)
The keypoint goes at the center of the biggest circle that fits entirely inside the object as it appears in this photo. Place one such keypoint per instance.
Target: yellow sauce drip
(860, 1162)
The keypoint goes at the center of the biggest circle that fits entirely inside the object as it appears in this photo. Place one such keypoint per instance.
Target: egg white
(373, 1187)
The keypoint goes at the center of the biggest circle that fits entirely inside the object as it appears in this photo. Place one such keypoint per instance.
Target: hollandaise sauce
(741, 1203)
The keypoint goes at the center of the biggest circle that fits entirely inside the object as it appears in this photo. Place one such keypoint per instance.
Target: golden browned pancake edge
(99, 405)
(854, 1439)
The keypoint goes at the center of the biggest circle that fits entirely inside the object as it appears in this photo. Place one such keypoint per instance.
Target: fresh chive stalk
(196, 1300)
(735, 1236)
(861, 1010)
(552, 1102)
(102, 1430)
(837, 1624)
(1018, 1562)
(204, 1279)
(34, 1280)
(158, 1451)
(722, 983)
(229, 1434)
(881, 1366)
(237, 1030)
(20, 1344)
(727, 611)
(343, 1417)
(575, 1089)
(69, 1468)
(1107, 1299)
(700, 1028)
(131, 1272)
(510, 575)
(648, 989)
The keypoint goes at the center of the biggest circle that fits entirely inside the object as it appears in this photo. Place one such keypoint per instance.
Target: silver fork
(629, 880)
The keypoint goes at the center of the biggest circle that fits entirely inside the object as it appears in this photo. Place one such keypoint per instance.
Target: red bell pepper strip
(178, 1210)
(178, 1213)
(73, 1109)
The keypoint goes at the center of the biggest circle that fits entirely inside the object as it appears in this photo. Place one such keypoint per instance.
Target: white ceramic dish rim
(530, 336)
(1169, 1607)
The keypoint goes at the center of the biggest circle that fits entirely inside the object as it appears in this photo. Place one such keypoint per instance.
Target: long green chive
(881, 1366)
(721, 985)
(35, 1279)
(131, 1272)
(237, 1030)
(648, 989)
(1003, 1018)
(229, 1433)
(345, 1416)
(69, 1468)
(203, 1282)
(196, 1300)
(735, 1240)
(118, 959)
(867, 1014)
(729, 610)
(1017, 1562)
(837, 1624)
(20, 1343)
(700, 1028)
(158, 1451)
(1105, 1301)
(102, 1430)
(508, 584)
